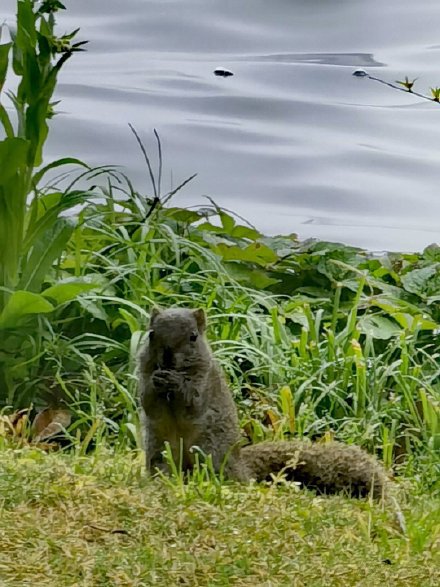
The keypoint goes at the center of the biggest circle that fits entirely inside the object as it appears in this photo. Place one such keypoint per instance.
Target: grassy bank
(70, 520)
(317, 339)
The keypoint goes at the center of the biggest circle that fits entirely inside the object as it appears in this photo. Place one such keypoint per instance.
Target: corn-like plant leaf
(4, 60)
(20, 305)
(45, 210)
(45, 251)
(6, 122)
(13, 155)
(58, 163)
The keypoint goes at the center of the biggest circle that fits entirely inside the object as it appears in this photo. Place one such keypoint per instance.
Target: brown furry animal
(185, 401)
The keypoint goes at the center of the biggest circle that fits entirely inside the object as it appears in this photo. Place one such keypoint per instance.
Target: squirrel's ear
(154, 312)
(200, 319)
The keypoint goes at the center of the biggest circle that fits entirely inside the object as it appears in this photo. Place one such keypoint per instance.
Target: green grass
(97, 520)
(316, 339)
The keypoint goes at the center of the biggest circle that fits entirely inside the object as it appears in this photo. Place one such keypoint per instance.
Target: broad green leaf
(255, 277)
(378, 327)
(392, 291)
(432, 252)
(68, 289)
(262, 252)
(260, 280)
(298, 317)
(424, 281)
(210, 227)
(20, 305)
(231, 229)
(254, 253)
(182, 215)
(245, 232)
(227, 221)
(282, 245)
(425, 324)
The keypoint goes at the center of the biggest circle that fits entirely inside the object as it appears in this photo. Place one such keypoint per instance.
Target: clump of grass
(98, 520)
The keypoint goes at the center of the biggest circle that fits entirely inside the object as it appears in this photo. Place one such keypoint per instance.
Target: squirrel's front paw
(166, 381)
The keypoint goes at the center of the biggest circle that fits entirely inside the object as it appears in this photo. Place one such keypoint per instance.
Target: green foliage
(316, 338)
(29, 221)
(33, 49)
(353, 336)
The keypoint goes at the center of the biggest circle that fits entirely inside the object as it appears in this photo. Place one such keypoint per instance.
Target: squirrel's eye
(193, 336)
(151, 334)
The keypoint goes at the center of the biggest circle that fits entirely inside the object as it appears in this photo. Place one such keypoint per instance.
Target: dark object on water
(360, 73)
(223, 72)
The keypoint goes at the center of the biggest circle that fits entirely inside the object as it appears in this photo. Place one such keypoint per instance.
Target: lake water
(292, 141)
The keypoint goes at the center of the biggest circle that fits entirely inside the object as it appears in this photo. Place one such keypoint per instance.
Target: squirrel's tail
(330, 467)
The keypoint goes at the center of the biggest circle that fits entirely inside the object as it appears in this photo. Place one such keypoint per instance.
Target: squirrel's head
(176, 338)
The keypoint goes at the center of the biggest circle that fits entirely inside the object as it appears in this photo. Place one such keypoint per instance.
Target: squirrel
(184, 397)
(185, 401)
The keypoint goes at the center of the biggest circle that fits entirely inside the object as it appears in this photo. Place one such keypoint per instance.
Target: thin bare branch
(147, 159)
(159, 148)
